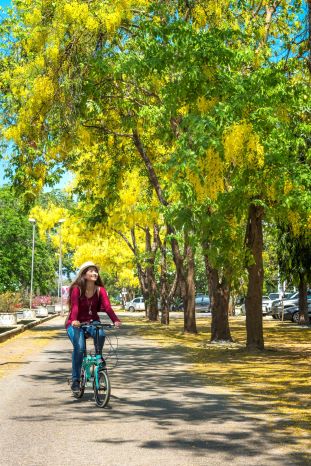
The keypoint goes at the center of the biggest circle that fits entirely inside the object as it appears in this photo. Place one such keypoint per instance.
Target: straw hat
(85, 266)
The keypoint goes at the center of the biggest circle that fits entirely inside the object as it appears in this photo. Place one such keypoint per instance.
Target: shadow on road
(153, 385)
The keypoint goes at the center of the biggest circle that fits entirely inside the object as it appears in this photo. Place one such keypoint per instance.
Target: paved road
(159, 413)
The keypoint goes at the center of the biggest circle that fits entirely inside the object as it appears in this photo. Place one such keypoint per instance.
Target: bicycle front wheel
(103, 389)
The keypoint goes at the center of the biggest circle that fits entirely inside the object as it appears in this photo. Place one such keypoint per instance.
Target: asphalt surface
(159, 414)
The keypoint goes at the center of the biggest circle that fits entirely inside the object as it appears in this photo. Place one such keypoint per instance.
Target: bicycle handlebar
(98, 325)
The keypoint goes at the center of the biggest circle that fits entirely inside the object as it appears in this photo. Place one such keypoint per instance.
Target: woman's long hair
(81, 282)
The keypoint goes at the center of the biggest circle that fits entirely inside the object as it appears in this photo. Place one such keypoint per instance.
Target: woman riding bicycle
(87, 296)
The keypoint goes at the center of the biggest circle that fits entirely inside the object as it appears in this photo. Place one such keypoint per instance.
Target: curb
(21, 328)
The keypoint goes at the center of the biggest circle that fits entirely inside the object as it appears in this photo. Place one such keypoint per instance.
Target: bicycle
(94, 369)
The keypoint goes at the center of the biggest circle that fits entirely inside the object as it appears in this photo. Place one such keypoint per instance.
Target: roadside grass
(276, 379)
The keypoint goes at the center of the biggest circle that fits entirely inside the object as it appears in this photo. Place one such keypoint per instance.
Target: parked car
(264, 308)
(292, 313)
(202, 303)
(272, 297)
(265, 305)
(279, 294)
(276, 307)
(137, 304)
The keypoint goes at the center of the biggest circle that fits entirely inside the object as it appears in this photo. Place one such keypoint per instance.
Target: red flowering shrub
(41, 301)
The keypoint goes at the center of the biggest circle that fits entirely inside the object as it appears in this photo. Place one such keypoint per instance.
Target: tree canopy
(205, 105)
(16, 250)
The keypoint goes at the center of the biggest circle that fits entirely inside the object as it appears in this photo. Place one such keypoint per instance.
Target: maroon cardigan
(86, 309)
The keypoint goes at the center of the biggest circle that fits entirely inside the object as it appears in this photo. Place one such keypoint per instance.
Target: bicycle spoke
(102, 388)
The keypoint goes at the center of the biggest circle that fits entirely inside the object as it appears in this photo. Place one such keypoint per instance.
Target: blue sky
(65, 180)
(5, 3)
(2, 166)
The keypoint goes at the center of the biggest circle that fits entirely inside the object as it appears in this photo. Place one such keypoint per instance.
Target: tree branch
(148, 164)
(107, 131)
(125, 239)
(134, 240)
(270, 10)
(255, 13)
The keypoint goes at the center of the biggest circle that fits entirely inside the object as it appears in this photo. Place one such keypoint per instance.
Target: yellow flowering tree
(128, 222)
(210, 129)
(85, 243)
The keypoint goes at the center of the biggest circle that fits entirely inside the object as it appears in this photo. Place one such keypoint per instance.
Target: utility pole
(33, 221)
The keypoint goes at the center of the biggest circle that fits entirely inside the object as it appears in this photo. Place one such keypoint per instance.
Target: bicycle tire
(102, 394)
(80, 393)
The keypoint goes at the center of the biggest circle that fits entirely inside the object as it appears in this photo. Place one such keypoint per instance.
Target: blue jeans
(76, 336)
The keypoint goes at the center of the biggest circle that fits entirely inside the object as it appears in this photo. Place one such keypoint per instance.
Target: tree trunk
(151, 281)
(142, 277)
(167, 291)
(253, 301)
(165, 311)
(303, 300)
(220, 330)
(219, 293)
(185, 279)
(183, 276)
(189, 298)
(145, 274)
(153, 300)
(144, 288)
(165, 301)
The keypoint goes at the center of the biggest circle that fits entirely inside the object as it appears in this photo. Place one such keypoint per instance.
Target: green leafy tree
(16, 250)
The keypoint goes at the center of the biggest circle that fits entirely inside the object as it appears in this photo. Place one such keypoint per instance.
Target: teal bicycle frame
(94, 369)
(91, 365)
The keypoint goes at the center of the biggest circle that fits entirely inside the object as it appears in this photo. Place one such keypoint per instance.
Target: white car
(264, 309)
(137, 304)
(269, 300)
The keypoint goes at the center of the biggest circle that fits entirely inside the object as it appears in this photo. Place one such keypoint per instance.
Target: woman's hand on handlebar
(75, 323)
(117, 324)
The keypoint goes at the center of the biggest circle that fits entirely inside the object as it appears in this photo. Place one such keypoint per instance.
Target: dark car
(202, 303)
(287, 303)
(292, 313)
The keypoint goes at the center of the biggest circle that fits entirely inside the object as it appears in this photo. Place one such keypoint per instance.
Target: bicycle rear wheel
(102, 393)
(80, 393)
